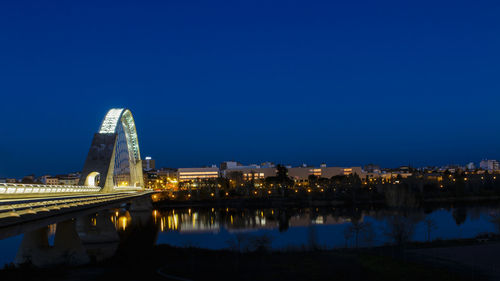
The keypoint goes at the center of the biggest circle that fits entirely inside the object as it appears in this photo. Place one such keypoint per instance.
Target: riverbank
(170, 263)
(276, 202)
(253, 202)
(221, 229)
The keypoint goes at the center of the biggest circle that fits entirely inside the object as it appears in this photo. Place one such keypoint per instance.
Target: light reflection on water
(89, 237)
(52, 233)
(120, 219)
(212, 220)
(215, 228)
(101, 234)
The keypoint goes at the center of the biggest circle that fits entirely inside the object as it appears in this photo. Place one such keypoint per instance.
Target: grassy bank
(163, 262)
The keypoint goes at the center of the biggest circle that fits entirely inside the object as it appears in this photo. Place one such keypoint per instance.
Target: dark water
(294, 228)
(97, 236)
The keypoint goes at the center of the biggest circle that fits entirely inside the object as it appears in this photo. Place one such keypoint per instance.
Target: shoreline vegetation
(165, 201)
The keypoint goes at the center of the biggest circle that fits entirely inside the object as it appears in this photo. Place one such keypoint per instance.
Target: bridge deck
(16, 190)
(18, 210)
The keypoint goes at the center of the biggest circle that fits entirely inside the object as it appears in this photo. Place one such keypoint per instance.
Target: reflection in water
(133, 228)
(87, 238)
(122, 222)
(211, 220)
(325, 227)
(460, 215)
(52, 233)
(52, 229)
(67, 248)
(121, 219)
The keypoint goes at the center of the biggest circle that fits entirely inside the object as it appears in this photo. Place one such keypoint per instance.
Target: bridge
(112, 172)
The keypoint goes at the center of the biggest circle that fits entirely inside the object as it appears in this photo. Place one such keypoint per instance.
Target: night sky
(341, 82)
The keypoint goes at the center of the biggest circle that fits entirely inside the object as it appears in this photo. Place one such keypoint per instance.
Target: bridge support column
(98, 235)
(33, 243)
(101, 159)
(67, 249)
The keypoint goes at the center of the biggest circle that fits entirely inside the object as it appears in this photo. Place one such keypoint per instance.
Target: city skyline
(343, 83)
(484, 164)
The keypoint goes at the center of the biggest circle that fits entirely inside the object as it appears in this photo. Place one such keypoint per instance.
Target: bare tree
(239, 243)
(400, 229)
(430, 225)
(400, 196)
(495, 219)
(261, 243)
(347, 236)
(312, 237)
(360, 230)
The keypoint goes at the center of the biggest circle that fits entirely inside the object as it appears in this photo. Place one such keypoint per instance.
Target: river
(98, 235)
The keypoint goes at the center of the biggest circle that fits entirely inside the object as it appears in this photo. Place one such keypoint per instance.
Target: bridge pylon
(114, 158)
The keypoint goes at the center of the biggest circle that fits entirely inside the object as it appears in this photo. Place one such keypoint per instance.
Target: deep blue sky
(345, 82)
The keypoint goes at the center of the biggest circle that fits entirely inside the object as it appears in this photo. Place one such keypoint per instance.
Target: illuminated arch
(92, 179)
(114, 153)
(120, 117)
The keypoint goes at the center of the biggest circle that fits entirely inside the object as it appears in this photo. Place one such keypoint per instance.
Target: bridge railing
(17, 188)
(127, 188)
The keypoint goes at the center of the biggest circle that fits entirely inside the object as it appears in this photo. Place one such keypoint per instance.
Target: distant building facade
(471, 166)
(298, 174)
(489, 165)
(148, 164)
(248, 172)
(372, 168)
(303, 173)
(50, 180)
(71, 179)
(188, 174)
(8, 180)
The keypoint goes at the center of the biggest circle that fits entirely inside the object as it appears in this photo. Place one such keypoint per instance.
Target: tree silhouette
(460, 215)
(400, 229)
(430, 225)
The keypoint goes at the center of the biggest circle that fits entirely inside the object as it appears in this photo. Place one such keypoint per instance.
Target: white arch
(110, 126)
(115, 143)
(91, 179)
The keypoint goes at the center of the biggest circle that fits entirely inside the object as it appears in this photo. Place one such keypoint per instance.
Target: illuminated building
(188, 174)
(148, 164)
(471, 166)
(50, 180)
(372, 168)
(68, 179)
(303, 173)
(299, 174)
(248, 172)
(252, 173)
(165, 178)
(489, 165)
(8, 180)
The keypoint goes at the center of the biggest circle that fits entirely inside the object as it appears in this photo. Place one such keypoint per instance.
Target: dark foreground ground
(169, 263)
(477, 261)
